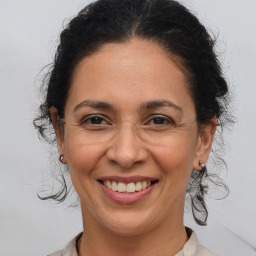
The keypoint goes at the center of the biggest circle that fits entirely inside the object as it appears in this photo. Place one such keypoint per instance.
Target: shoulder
(70, 249)
(203, 251)
(58, 253)
(192, 247)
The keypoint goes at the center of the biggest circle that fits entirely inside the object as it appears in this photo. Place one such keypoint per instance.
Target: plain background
(29, 30)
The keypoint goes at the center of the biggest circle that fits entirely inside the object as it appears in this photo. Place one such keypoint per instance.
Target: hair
(171, 26)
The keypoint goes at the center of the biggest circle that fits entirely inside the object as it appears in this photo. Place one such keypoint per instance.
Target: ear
(204, 143)
(58, 132)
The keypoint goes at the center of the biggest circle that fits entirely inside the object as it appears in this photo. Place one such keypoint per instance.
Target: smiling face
(131, 139)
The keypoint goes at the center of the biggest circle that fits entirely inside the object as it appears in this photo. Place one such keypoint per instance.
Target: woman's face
(131, 139)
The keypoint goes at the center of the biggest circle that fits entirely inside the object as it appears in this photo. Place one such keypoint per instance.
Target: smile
(131, 187)
(127, 190)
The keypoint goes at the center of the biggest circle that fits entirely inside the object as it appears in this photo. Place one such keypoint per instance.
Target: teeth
(144, 184)
(109, 185)
(126, 188)
(121, 187)
(114, 186)
(138, 186)
(130, 188)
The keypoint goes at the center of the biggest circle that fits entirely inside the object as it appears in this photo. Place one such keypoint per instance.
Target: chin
(131, 224)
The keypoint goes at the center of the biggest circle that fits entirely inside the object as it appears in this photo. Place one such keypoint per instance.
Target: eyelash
(90, 117)
(168, 121)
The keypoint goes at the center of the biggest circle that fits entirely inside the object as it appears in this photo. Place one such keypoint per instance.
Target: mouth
(127, 185)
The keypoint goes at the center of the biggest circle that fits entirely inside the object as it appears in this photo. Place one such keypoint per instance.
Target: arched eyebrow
(94, 104)
(158, 104)
(144, 106)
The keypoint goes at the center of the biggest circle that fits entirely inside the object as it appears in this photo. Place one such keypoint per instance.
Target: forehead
(129, 73)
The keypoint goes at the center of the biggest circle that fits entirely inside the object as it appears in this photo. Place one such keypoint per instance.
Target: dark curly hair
(171, 26)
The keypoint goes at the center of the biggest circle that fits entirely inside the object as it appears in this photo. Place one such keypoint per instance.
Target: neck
(165, 240)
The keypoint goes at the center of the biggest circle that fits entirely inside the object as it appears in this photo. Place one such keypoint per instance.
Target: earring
(61, 158)
(201, 164)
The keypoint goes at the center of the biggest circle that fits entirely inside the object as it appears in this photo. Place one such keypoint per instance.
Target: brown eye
(159, 120)
(94, 120)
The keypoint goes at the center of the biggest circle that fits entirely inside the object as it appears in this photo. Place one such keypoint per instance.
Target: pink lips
(126, 198)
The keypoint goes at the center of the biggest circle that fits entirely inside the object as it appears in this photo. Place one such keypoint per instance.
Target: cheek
(82, 158)
(176, 158)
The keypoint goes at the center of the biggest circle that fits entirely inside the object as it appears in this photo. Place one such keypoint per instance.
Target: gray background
(28, 33)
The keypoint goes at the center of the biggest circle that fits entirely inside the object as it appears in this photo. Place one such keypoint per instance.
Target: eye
(159, 121)
(95, 120)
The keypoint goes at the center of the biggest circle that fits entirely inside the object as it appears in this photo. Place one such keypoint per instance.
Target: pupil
(158, 120)
(96, 120)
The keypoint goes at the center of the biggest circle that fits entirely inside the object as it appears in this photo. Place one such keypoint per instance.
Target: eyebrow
(144, 106)
(94, 104)
(158, 104)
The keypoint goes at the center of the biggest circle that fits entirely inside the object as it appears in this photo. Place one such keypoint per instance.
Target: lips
(127, 190)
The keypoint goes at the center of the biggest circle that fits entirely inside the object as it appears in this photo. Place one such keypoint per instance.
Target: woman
(134, 96)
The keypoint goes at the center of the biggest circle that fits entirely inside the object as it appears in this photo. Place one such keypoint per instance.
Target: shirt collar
(189, 248)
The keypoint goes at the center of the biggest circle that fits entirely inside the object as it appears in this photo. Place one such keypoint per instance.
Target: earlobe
(205, 140)
(58, 132)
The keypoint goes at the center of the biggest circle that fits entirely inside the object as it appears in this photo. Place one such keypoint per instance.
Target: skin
(127, 76)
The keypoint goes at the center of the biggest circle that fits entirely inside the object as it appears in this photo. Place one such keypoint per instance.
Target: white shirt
(191, 248)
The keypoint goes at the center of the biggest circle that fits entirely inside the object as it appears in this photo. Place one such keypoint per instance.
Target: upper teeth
(126, 188)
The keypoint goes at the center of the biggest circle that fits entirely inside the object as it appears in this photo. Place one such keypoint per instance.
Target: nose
(126, 149)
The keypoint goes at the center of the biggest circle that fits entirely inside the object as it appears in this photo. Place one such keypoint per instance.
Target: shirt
(191, 248)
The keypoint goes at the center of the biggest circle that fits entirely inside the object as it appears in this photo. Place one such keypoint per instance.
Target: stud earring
(201, 164)
(61, 158)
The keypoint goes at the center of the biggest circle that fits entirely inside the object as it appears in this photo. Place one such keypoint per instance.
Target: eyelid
(88, 117)
(170, 120)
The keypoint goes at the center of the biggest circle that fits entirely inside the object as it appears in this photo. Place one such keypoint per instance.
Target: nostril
(126, 150)
(126, 157)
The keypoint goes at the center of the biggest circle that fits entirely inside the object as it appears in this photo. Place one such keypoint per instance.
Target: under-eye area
(131, 187)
